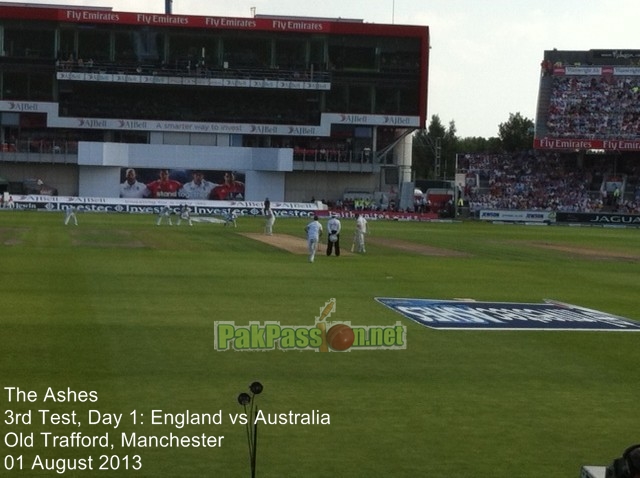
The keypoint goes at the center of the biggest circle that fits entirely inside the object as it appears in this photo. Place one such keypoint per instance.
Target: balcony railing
(249, 77)
(40, 151)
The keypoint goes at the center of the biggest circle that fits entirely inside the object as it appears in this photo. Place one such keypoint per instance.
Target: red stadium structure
(297, 107)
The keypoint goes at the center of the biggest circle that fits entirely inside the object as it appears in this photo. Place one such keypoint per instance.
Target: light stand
(245, 399)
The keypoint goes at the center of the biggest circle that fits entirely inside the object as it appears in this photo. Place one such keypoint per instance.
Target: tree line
(435, 148)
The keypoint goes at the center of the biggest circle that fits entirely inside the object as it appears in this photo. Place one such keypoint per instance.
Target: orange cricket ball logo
(340, 337)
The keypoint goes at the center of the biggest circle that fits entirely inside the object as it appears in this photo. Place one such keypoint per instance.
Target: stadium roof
(610, 57)
(320, 19)
(37, 5)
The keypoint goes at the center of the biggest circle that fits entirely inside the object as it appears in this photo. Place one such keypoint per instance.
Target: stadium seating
(537, 180)
(594, 107)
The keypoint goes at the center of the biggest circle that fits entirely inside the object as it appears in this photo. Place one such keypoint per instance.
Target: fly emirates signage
(96, 16)
(587, 144)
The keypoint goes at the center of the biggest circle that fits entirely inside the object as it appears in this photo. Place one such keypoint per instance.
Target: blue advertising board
(473, 315)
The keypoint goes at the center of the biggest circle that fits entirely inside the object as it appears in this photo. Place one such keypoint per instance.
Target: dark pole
(167, 6)
(245, 399)
(255, 447)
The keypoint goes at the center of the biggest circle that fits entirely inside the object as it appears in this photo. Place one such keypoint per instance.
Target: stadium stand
(300, 106)
(595, 107)
(551, 181)
(586, 155)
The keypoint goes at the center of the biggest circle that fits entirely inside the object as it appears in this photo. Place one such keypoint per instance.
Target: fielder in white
(270, 217)
(361, 230)
(165, 213)
(70, 213)
(314, 231)
(185, 213)
(9, 204)
(230, 218)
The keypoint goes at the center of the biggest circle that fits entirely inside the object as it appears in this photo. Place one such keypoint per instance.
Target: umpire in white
(333, 235)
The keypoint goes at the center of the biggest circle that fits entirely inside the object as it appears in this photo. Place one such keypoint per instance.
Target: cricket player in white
(8, 201)
(164, 213)
(314, 231)
(361, 230)
(230, 218)
(185, 213)
(270, 217)
(70, 213)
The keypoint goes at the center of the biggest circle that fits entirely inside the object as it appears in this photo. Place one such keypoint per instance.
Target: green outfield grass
(127, 309)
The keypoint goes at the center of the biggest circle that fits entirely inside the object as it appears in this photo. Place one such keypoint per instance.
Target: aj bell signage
(471, 315)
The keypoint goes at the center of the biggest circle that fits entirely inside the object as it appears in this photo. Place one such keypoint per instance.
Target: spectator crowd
(604, 106)
(535, 180)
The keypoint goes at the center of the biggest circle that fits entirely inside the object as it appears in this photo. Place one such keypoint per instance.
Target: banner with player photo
(191, 184)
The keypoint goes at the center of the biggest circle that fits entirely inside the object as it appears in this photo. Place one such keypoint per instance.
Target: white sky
(485, 55)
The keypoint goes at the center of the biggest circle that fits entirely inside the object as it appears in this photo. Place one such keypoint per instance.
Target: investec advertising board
(472, 315)
(155, 206)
